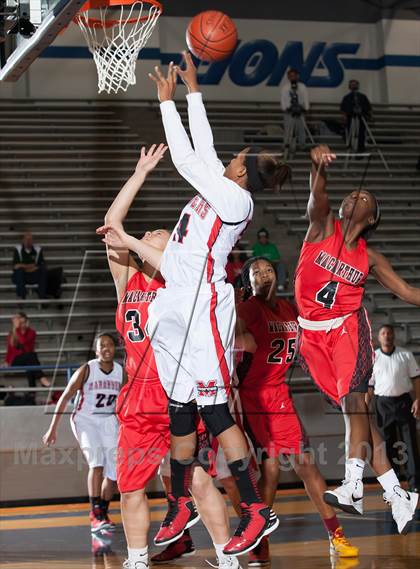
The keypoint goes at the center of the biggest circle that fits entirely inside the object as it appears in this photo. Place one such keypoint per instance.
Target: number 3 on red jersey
(136, 333)
(326, 296)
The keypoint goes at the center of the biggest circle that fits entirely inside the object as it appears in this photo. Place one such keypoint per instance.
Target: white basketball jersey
(198, 248)
(212, 222)
(99, 393)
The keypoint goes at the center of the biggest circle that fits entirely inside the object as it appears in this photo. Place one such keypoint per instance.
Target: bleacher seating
(61, 163)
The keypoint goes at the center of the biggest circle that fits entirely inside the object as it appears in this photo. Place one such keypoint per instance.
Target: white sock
(354, 468)
(137, 554)
(388, 481)
(220, 555)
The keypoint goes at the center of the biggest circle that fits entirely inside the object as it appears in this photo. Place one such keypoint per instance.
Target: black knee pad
(183, 417)
(217, 418)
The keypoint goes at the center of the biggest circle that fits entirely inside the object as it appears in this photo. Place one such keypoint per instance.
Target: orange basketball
(211, 36)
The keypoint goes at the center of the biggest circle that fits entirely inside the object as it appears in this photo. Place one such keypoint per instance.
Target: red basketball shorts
(144, 437)
(339, 361)
(271, 422)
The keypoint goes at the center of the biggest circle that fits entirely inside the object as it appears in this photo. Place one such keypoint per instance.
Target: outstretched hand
(149, 160)
(114, 236)
(166, 86)
(322, 155)
(189, 73)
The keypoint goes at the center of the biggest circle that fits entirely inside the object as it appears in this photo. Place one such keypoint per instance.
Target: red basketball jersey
(329, 279)
(131, 320)
(275, 332)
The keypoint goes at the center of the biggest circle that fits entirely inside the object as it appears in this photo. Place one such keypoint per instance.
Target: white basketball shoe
(403, 506)
(347, 497)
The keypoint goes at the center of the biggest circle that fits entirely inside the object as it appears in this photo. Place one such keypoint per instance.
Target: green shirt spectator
(263, 247)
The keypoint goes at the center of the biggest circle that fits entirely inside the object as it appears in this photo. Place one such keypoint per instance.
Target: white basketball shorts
(97, 437)
(192, 335)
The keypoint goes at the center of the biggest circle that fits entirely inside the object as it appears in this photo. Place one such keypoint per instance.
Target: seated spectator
(264, 248)
(21, 349)
(29, 268)
(236, 261)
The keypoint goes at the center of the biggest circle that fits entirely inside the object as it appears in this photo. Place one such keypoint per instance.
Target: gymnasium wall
(384, 55)
(30, 471)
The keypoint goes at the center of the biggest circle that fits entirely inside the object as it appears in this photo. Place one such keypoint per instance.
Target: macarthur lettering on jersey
(277, 326)
(104, 384)
(339, 268)
(200, 206)
(138, 296)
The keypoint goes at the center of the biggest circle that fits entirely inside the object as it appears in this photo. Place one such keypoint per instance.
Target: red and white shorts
(192, 336)
(144, 437)
(339, 361)
(271, 422)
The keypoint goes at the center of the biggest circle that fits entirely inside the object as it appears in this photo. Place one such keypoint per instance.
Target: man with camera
(294, 103)
(357, 110)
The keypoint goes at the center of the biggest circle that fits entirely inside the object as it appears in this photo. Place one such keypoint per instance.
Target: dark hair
(263, 231)
(108, 335)
(369, 230)
(246, 281)
(242, 255)
(293, 70)
(390, 326)
(273, 171)
(22, 315)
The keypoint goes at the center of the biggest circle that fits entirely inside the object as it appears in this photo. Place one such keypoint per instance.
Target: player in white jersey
(94, 423)
(192, 320)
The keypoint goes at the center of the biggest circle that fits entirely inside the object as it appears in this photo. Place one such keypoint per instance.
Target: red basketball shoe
(97, 524)
(257, 520)
(181, 515)
(260, 555)
(183, 547)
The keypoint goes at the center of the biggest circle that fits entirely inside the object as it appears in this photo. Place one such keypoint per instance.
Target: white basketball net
(115, 48)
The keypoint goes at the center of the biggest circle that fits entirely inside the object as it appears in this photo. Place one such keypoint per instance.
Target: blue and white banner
(385, 57)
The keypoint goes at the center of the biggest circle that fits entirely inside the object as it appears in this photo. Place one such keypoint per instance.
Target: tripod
(293, 124)
(352, 139)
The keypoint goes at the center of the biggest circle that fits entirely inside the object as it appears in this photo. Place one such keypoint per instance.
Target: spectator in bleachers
(264, 248)
(21, 349)
(236, 261)
(356, 106)
(294, 100)
(29, 267)
(394, 373)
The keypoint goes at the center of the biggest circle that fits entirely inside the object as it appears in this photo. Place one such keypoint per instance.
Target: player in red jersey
(142, 406)
(267, 329)
(335, 344)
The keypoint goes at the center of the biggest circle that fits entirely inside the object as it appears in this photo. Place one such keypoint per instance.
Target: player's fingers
(159, 73)
(151, 150)
(189, 59)
(153, 78)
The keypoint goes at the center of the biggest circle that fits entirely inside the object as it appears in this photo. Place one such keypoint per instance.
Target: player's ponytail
(273, 171)
(265, 170)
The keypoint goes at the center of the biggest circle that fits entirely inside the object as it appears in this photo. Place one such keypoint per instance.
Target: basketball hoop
(116, 31)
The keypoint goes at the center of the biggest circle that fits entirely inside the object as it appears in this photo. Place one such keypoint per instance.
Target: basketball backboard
(48, 18)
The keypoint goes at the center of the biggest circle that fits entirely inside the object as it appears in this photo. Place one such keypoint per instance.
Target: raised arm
(200, 129)
(320, 216)
(74, 385)
(230, 202)
(121, 264)
(115, 237)
(383, 272)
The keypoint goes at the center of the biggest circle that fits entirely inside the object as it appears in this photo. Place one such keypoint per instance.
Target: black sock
(96, 507)
(245, 479)
(104, 506)
(181, 474)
